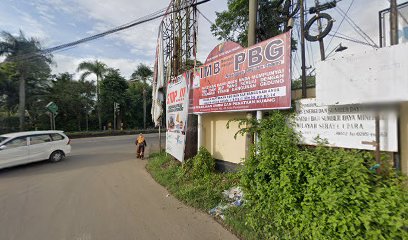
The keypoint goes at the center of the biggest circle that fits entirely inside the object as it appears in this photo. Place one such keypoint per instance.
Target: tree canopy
(30, 64)
(232, 24)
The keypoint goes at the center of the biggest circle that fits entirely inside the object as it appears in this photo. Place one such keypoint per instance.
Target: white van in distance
(25, 147)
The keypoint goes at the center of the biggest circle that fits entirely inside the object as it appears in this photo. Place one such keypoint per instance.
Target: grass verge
(203, 192)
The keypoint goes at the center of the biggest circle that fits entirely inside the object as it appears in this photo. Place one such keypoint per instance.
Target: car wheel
(57, 156)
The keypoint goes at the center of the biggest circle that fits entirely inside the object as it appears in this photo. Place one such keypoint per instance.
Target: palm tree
(143, 73)
(99, 69)
(29, 62)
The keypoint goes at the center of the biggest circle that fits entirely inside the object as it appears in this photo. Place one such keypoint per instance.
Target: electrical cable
(122, 27)
(342, 20)
(213, 24)
(356, 40)
(356, 27)
(351, 40)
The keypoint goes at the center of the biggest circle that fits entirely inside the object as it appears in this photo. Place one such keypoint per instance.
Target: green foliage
(8, 88)
(232, 24)
(310, 82)
(203, 163)
(297, 192)
(74, 98)
(98, 68)
(31, 73)
(142, 73)
(203, 191)
(134, 113)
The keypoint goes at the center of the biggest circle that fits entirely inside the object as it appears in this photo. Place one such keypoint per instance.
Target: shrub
(201, 165)
(297, 192)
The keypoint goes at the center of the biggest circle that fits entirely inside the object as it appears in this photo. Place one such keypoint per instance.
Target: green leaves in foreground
(319, 193)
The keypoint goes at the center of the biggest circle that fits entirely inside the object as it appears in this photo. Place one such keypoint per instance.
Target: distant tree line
(27, 86)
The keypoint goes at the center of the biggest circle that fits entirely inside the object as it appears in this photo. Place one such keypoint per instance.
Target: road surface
(100, 192)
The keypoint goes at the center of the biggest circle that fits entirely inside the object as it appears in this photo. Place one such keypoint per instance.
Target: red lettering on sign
(171, 98)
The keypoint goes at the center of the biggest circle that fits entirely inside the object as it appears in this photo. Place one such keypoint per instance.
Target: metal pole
(394, 41)
(51, 125)
(394, 22)
(160, 147)
(302, 47)
(253, 9)
(377, 137)
(114, 116)
(321, 43)
(199, 131)
(144, 106)
(53, 117)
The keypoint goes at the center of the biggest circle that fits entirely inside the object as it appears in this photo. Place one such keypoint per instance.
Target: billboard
(255, 78)
(177, 101)
(374, 76)
(347, 126)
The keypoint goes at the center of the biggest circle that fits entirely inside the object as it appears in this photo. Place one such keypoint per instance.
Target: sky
(56, 22)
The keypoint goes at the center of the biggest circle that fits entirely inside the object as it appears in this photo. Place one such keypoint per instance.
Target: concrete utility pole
(253, 10)
(321, 42)
(302, 47)
(394, 41)
(394, 22)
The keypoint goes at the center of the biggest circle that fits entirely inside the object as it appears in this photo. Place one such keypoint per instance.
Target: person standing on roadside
(140, 146)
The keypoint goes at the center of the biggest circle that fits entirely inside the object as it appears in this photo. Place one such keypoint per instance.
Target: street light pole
(394, 22)
(114, 115)
(321, 43)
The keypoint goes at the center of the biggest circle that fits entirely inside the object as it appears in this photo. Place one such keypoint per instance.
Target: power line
(213, 24)
(356, 27)
(342, 20)
(351, 40)
(147, 18)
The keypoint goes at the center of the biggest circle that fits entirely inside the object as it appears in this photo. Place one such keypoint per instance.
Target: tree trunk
(21, 104)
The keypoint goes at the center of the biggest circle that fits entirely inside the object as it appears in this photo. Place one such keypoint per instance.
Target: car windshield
(2, 138)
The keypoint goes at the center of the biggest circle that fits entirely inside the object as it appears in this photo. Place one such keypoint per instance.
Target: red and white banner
(255, 78)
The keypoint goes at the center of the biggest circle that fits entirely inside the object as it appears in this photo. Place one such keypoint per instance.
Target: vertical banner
(177, 114)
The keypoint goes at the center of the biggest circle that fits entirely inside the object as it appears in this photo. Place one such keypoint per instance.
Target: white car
(25, 147)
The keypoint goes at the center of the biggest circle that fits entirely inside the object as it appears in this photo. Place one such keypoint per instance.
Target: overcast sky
(56, 22)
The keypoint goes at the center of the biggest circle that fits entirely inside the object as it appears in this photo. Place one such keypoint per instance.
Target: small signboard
(347, 126)
(52, 107)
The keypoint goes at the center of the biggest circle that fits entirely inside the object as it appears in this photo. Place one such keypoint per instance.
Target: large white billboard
(347, 126)
(374, 76)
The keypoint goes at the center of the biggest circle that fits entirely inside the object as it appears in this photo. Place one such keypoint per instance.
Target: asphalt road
(100, 192)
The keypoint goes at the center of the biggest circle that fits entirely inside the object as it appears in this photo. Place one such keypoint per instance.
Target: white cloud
(142, 39)
(30, 25)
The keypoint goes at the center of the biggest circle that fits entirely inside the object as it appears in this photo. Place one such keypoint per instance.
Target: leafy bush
(203, 163)
(198, 187)
(297, 192)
